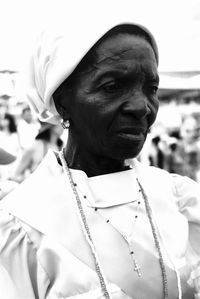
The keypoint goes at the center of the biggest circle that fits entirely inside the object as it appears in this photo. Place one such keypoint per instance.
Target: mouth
(136, 134)
(132, 130)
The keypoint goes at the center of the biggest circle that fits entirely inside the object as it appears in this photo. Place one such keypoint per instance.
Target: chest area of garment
(125, 226)
(124, 241)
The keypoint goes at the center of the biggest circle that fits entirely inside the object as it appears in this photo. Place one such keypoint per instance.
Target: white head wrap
(57, 52)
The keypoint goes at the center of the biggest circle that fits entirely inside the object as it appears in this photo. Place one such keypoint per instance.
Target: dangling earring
(65, 124)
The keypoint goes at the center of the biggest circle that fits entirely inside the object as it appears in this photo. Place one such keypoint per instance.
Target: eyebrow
(149, 76)
(97, 78)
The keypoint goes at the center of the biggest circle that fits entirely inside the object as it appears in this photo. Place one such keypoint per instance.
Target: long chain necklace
(85, 228)
(87, 234)
(156, 240)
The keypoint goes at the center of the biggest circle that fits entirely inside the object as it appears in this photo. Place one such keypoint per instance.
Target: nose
(137, 105)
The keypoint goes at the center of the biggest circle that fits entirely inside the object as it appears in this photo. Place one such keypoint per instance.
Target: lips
(133, 134)
(132, 130)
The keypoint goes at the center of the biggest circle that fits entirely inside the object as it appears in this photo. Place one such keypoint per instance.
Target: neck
(92, 164)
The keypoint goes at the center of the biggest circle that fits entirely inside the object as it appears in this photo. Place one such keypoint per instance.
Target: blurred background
(174, 140)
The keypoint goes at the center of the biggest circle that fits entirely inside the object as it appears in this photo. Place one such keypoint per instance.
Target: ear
(60, 107)
(63, 111)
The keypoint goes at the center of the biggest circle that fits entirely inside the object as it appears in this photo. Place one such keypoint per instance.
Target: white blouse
(44, 254)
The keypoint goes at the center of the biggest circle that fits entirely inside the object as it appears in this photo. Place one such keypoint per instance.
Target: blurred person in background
(8, 134)
(9, 141)
(185, 150)
(6, 185)
(49, 137)
(157, 158)
(190, 146)
(27, 128)
(155, 151)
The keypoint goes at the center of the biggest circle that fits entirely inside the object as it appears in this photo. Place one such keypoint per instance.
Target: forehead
(120, 54)
(125, 46)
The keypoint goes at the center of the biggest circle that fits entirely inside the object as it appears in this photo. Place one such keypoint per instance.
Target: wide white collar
(44, 200)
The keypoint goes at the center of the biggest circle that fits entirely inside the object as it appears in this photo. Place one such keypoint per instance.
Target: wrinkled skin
(112, 105)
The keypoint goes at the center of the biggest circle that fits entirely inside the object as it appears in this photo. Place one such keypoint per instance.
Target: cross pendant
(137, 269)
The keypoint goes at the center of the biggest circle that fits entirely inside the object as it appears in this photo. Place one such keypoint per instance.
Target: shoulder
(152, 174)
(21, 272)
(39, 200)
(180, 186)
(15, 240)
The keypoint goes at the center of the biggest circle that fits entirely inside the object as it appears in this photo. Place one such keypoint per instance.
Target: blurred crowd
(175, 149)
(27, 141)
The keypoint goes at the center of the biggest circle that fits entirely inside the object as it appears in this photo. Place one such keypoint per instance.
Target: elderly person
(91, 221)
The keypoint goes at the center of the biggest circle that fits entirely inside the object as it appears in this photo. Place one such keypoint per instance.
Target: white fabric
(57, 52)
(43, 253)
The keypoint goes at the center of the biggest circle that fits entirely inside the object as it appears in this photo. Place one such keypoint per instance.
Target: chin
(123, 153)
(122, 149)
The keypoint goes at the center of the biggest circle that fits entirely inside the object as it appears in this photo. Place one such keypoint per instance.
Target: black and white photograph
(99, 149)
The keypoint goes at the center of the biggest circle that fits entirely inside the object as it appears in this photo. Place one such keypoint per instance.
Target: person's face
(115, 99)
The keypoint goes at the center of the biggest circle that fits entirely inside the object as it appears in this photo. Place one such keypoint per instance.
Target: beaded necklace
(87, 234)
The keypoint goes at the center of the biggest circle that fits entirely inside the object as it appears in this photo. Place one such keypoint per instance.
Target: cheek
(95, 109)
(88, 118)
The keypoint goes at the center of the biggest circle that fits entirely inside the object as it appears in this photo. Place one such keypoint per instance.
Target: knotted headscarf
(57, 52)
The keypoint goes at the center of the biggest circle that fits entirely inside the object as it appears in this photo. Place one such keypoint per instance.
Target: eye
(151, 89)
(112, 86)
(154, 89)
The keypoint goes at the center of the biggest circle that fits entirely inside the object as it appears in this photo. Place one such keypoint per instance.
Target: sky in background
(174, 23)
